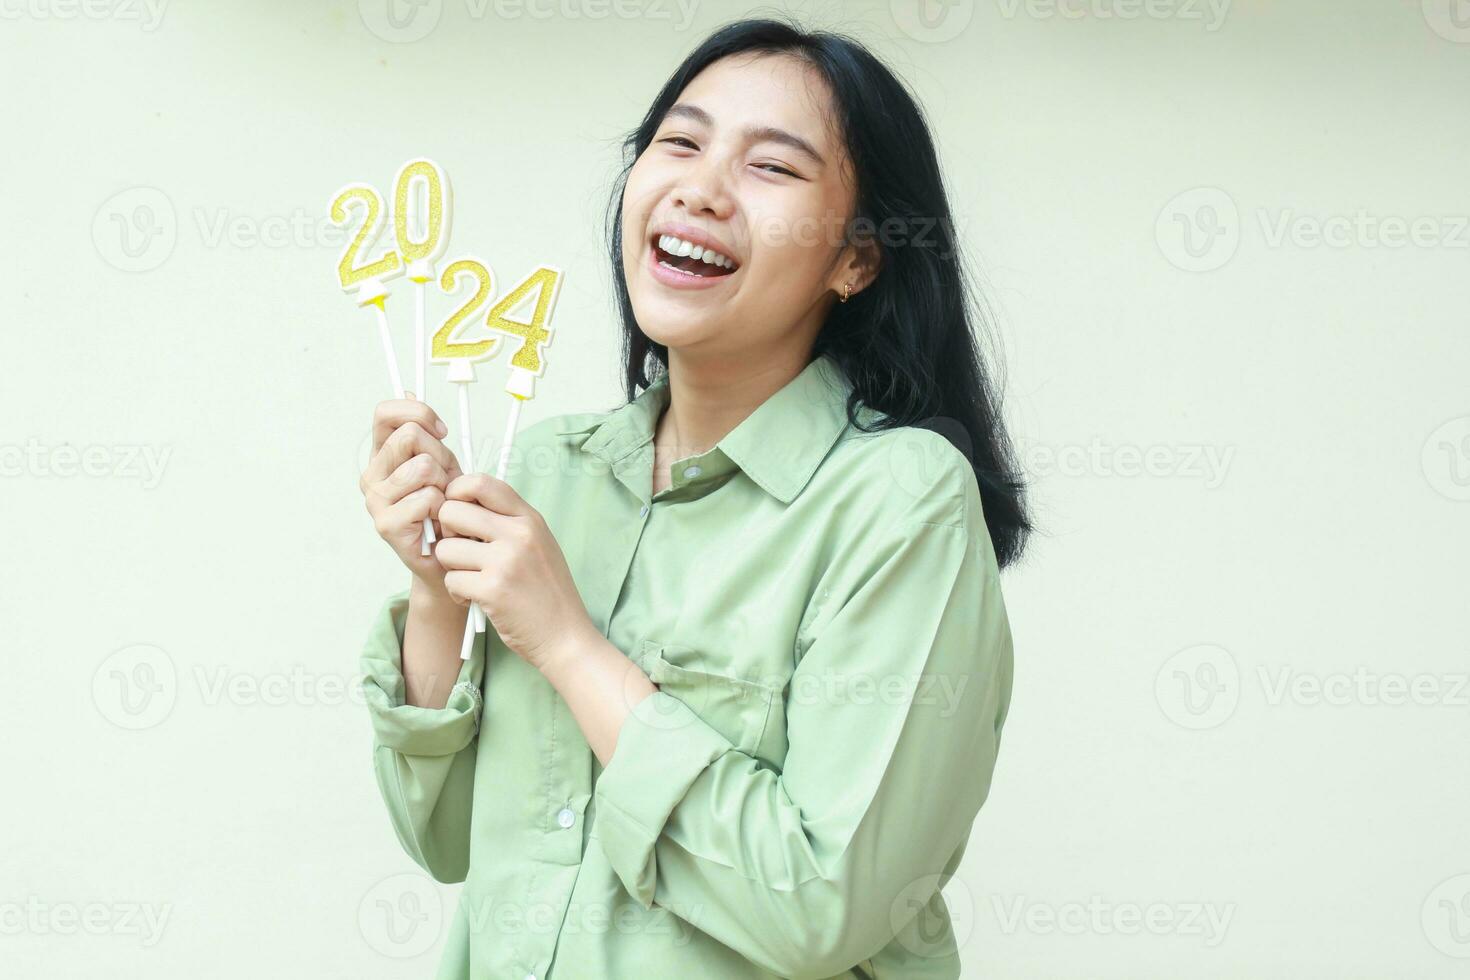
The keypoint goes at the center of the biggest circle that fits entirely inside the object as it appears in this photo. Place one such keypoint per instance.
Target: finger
(470, 520)
(462, 554)
(490, 493)
(414, 507)
(395, 520)
(462, 586)
(390, 414)
(407, 441)
(418, 471)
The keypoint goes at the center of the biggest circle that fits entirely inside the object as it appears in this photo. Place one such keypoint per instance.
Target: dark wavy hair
(906, 342)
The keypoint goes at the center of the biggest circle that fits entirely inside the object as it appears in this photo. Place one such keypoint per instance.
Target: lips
(690, 257)
(667, 273)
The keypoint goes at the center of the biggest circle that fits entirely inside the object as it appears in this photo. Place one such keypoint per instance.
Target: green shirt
(821, 611)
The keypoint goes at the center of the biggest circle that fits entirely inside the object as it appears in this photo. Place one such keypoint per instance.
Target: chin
(673, 329)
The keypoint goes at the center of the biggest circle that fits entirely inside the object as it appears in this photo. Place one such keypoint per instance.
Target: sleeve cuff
(407, 728)
(662, 748)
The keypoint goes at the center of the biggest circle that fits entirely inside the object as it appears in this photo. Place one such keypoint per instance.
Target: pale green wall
(1300, 412)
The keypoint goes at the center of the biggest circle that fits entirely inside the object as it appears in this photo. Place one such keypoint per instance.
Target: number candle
(527, 365)
(421, 219)
(461, 356)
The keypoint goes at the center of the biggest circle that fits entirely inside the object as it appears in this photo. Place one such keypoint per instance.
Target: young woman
(748, 661)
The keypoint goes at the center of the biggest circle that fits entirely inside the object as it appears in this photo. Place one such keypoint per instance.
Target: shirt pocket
(747, 712)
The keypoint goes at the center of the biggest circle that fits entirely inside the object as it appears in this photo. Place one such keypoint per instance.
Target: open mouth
(690, 259)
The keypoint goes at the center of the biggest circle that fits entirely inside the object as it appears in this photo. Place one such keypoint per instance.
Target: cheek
(640, 196)
(792, 254)
(632, 232)
(633, 220)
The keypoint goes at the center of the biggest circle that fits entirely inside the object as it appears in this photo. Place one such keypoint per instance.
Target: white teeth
(677, 246)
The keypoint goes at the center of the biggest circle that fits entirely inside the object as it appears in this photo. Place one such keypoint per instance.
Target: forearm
(424, 757)
(432, 635)
(600, 685)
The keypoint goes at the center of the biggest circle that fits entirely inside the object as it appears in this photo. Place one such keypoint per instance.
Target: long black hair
(906, 341)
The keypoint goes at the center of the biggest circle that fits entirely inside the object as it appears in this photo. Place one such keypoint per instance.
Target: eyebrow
(756, 134)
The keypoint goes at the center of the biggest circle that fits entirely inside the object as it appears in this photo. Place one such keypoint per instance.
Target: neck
(709, 397)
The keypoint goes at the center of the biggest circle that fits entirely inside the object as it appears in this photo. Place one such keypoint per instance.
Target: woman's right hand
(405, 479)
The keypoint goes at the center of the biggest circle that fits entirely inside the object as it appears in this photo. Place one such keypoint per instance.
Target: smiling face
(746, 165)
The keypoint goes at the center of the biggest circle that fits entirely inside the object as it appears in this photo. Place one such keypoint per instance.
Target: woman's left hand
(504, 557)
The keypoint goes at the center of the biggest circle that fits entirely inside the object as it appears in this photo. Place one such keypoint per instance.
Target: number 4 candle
(526, 365)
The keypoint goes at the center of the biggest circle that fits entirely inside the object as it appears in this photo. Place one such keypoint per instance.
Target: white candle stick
(426, 545)
(461, 356)
(394, 378)
(471, 625)
(366, 283)
(510, 437)
(419, 302)
(466, 440)
(467, 644)
(463, 375)
(421, 224)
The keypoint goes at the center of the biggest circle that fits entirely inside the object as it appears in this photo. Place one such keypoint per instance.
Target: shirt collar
(778, 446)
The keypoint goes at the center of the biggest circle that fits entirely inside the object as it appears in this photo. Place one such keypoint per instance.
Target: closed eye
(768, 167)
(777, 169)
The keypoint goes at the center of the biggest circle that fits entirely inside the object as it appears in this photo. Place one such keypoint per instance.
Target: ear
(858, 264)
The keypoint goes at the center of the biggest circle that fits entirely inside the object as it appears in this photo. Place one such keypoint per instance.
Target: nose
(702, 190)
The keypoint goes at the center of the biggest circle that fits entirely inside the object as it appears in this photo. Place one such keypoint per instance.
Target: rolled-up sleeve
(423, 758)
(893, 716)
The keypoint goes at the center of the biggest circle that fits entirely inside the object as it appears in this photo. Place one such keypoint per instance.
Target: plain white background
(1226, 247)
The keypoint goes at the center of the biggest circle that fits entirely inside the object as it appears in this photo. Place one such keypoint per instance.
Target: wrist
(431, 596)
(567, 650)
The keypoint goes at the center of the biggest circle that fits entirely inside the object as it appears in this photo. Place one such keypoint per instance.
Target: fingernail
(440, 428)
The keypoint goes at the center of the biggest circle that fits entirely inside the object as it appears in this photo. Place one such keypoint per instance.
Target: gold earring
(846, 292)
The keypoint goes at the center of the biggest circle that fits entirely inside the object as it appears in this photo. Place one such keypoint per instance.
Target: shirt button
(643, 511)
(690, 472)
(566, 817)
